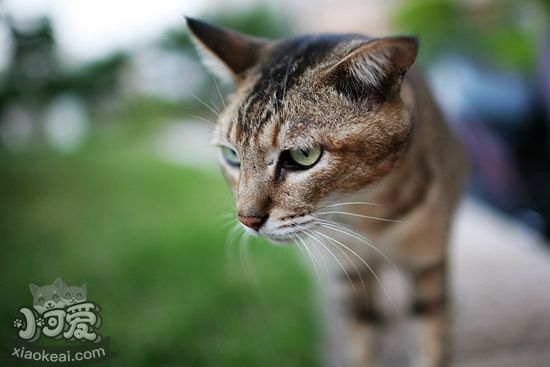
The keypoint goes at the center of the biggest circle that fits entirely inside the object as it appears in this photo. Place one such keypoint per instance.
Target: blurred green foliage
(148, 239)
(146, 236)
(499, 33)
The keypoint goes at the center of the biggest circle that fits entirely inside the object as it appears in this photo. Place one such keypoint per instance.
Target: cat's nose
(254, 222)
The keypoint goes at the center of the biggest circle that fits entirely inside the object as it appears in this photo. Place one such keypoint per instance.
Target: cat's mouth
(287, 233)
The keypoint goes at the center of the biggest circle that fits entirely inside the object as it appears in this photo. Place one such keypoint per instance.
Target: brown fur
(383, 141)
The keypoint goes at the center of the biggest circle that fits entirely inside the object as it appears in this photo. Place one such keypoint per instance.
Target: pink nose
(252, 222)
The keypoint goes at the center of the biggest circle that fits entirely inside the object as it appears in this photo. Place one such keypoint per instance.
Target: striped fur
(383, 141)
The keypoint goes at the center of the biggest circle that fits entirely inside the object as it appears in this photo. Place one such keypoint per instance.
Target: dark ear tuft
(226, 53)
(375, 67)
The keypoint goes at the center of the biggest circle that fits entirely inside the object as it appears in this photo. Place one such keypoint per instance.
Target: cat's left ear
(226, 53)
(84, 287)
(377, 65)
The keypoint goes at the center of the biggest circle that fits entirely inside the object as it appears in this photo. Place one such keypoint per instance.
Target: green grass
(148, 240)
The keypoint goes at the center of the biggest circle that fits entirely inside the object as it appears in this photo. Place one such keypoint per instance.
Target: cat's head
(47, 297)
(313, 118)
(72, 294)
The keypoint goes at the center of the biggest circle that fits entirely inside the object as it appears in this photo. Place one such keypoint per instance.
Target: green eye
(303, 158)
(231, 156)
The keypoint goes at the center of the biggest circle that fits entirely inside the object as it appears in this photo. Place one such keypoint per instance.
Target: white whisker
(352, 203)
(310, 234)
(204, 104)
(391, 299)
(349, 232)
(312, 258)
(213, 104)
(219, 92)
(203, 119)
(357, 271)
(361, 216)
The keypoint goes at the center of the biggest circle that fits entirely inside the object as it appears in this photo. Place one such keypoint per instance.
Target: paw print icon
(18, 323)
(40, 322)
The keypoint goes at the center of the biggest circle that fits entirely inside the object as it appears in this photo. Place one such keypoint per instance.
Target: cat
(333, 137)
(71, 295)
(47, 297)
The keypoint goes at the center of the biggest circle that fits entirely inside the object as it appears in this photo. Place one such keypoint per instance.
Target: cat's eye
(231, 156)
(41, 299)
(78, 295)
(301, 158)
(55, 297)
(67, 294)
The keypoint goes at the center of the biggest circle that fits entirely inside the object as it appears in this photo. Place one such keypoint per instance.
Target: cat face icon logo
(72, 295)
(56, 295)
(47, 297)
(59, 311)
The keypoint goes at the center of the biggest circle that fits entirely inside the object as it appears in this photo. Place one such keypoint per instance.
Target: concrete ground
(500, 277)
(501, 292)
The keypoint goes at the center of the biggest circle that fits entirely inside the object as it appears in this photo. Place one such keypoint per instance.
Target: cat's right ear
(227, 54)
(33, 288)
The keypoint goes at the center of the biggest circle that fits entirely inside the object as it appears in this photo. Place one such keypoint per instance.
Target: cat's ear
(226, 53)
(378, 65)
(84, 287)
(33, 288)
(58, 283)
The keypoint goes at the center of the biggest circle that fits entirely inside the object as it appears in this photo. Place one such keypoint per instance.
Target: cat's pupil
(305, 153)
(79, 295)
(68, 294)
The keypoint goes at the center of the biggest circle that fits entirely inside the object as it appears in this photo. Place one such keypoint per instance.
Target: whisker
(203, 119)
(349, 232)
(213, 104)
(230, 241)
(351, 203)
(312, 258)
(226, 218)
(204, 104)
(227, 223)
(352, 264)
(391, 299)
(244, 256)
(360, 215)
(219, 92)
(310, 234)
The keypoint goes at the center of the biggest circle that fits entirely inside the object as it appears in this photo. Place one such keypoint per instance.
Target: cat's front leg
(429, 312)
(364, 321)
(353, 323)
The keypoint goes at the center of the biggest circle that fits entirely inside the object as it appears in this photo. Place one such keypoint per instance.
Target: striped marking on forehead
(288, 62)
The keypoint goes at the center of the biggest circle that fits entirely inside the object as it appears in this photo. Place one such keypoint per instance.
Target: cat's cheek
(231, 175)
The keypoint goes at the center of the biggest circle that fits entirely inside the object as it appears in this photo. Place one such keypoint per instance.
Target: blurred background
(107, 176)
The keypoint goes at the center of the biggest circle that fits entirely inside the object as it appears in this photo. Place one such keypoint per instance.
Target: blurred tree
(32, 65)
(503, 33)
(35, 74)
(258, 21)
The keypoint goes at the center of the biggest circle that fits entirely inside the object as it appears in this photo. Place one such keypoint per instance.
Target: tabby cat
(334, 141)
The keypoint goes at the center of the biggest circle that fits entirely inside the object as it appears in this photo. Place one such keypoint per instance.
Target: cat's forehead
(272, 90)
